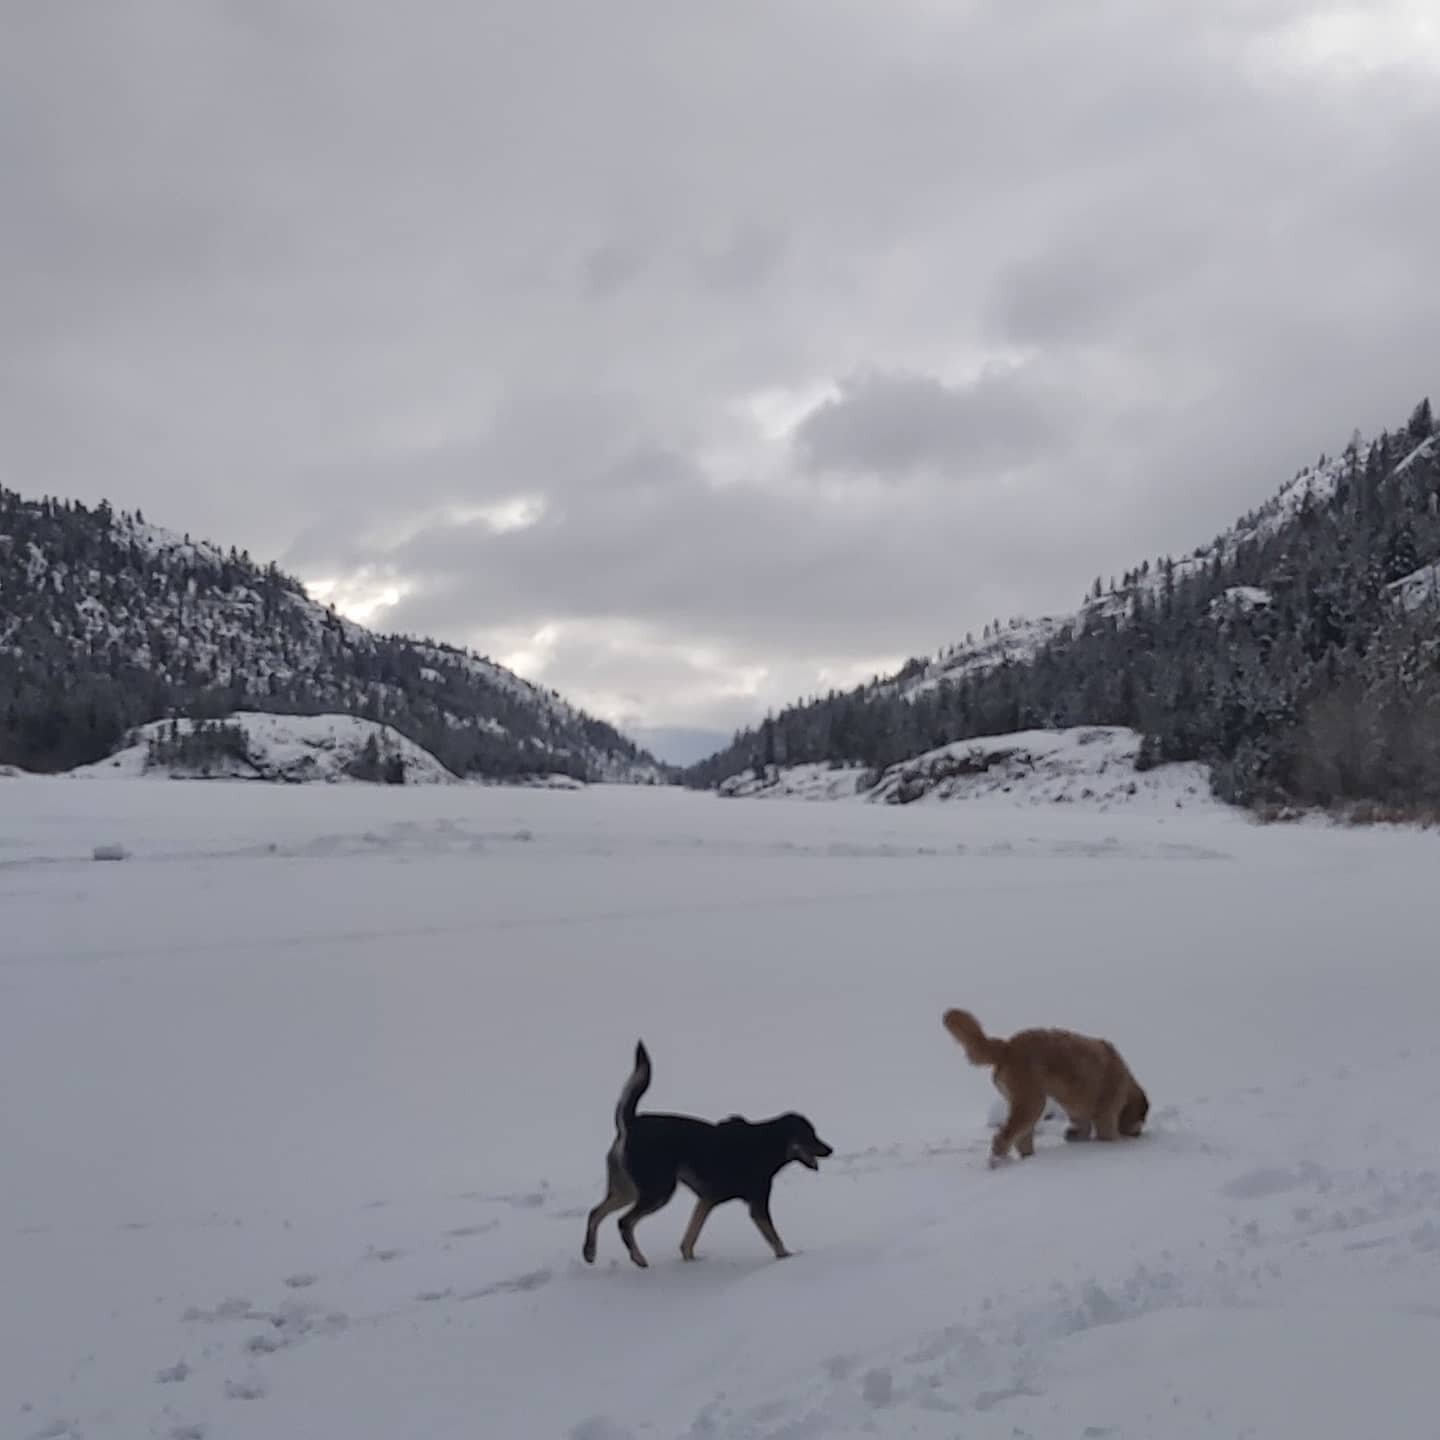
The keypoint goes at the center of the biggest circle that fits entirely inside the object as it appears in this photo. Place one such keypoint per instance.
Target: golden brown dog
(1086, 1077)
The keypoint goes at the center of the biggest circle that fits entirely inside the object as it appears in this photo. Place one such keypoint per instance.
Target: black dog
(733, 1160)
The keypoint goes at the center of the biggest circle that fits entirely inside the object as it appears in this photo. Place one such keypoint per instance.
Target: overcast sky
(693, 357)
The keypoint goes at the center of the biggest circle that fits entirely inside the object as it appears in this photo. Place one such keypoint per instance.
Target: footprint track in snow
(233, 1307)
(57, 1430)
(249, 1388)
(515, 1285)
(516, 1200)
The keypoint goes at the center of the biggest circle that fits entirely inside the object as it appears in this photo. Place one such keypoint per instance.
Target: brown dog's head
(1134, 1111)
(802, 1143)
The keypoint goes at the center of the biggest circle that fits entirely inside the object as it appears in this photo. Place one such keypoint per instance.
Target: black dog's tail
(632, 1090)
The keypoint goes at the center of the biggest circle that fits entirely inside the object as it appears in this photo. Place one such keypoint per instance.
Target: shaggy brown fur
(1086, 1077)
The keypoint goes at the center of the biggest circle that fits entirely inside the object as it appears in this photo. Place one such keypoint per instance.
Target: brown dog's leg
(1025, 1140)
(1027, 1105)
(1078, 1128)
(1111, 1099)
(692, 1230)
(1133, 1111)
(618, 1195)
(760, 1214)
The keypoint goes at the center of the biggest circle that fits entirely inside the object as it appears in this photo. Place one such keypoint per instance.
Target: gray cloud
(609, 268)
(895, 424)
(696, 357)
(746, 260)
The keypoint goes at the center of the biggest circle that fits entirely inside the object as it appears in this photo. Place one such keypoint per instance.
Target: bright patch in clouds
(359, 597)
(531, 657)
(500, 517)
(847, 674)
(1360, 39)
(776, 412)
(699, 681)
(364, 594)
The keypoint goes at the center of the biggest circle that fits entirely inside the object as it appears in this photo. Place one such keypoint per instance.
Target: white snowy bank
(1091, 766)
(291, 748)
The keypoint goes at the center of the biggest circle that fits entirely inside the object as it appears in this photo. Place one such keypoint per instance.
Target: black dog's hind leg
(760, 1214)
(620, 1192)
(648, 1203)
(703, 1208)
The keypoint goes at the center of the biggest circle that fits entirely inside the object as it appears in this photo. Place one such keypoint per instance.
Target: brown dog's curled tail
(980, 1049)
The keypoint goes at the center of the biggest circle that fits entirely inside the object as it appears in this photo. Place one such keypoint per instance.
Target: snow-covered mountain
(1018, 640)
(108, 622)
(1297, 654)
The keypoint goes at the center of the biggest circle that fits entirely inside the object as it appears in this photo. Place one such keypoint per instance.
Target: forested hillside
(107, 622)
(1298, 653)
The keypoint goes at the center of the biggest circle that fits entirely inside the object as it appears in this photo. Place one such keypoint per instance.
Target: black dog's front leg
(760, 1214)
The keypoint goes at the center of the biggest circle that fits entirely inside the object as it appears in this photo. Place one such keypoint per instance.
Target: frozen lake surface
(302, 1105)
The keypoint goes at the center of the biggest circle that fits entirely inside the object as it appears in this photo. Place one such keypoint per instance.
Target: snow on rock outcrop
(1240, 600)
(1092, 767)
(798, 782)
(1014, 643)
(1423, 451)
(538, 782)
(289, 748)
(1420, 588)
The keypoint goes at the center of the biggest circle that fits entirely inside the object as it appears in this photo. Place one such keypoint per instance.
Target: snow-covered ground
(303, 1104)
